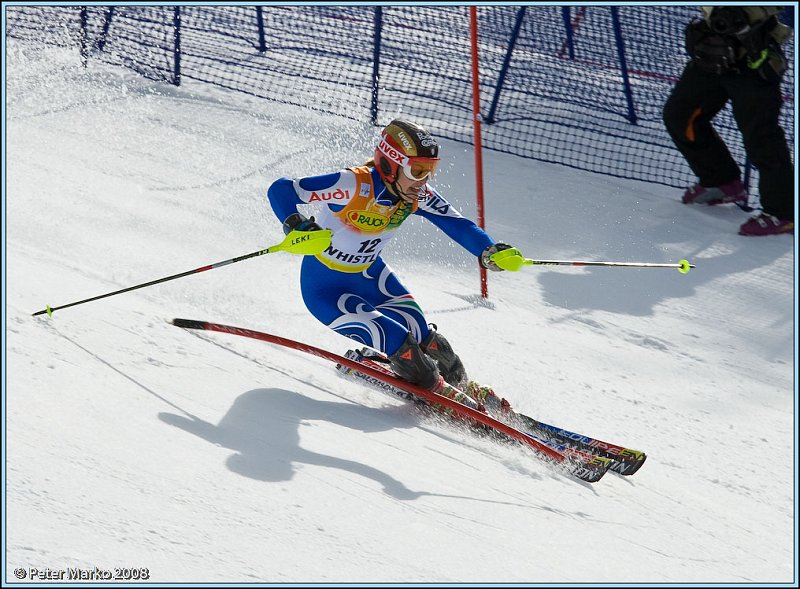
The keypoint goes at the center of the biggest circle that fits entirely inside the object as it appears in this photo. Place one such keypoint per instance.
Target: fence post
(376, 62)
(101, 43)
(747, 173)
(506, 62)
(623, 64)
(262, 42)
(176, 25)
(84, 16)
(566, 14)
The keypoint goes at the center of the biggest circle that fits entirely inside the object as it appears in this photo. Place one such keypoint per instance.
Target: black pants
(697, 97)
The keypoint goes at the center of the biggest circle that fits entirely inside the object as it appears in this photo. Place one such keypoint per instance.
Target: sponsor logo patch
(338, 194)
(367, 221)
(405, 141)
(426, 139)
(403, 211)
(391, 152)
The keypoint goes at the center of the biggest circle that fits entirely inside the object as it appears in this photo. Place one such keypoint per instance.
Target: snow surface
(210, 458)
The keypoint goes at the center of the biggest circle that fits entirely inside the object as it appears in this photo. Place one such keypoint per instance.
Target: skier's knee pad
(450, 365)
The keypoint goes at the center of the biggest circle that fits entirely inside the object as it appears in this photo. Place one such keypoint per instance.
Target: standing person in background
(349, 287)
(735, 55)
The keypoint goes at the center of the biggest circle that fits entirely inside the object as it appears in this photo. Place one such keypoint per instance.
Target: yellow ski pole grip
(305, 243)
(508, 259)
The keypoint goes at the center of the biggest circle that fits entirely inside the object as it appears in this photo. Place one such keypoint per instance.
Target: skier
(349, 287)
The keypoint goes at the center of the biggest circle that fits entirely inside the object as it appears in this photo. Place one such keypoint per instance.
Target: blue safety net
(578, 86)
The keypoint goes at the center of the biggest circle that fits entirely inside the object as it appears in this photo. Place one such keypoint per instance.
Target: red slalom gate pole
(476, 125)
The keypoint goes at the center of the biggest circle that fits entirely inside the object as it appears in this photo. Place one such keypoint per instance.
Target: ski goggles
(415, 168)
(420, 168)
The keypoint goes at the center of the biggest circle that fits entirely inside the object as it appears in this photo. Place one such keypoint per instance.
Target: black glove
(299, 222)
(485, 257)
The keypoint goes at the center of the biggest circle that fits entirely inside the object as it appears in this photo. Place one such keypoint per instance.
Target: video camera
(728, 20)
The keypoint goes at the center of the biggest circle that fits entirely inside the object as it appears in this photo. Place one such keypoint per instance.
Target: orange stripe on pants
(690, 125)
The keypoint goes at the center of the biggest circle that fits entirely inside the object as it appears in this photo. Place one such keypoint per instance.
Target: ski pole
(511, 259)
(297, 242)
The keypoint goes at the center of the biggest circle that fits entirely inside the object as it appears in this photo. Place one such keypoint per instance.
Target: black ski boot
(450, 365)
(412, 364)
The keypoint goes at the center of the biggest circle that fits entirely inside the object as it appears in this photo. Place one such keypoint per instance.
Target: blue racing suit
(349, 287)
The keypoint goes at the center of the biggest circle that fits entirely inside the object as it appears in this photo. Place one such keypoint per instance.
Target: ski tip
(628, 467)
(591, 471)
(188, 323)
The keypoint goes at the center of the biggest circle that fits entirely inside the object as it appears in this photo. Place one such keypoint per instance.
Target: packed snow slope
(207, 457)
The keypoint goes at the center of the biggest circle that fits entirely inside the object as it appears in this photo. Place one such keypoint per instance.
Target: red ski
(625, 461)
(590, 471)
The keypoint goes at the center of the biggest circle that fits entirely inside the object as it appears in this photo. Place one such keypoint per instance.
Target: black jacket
(737, 38)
